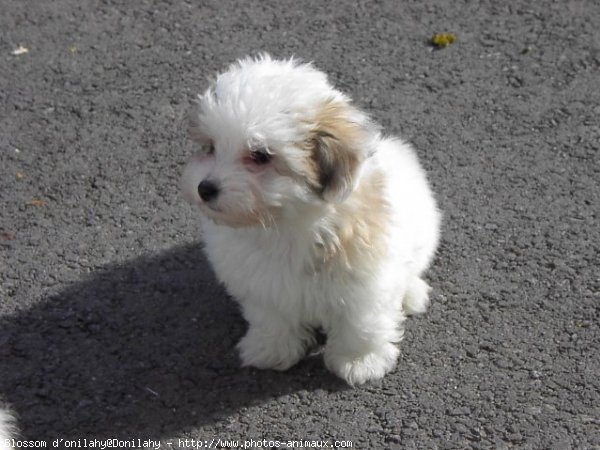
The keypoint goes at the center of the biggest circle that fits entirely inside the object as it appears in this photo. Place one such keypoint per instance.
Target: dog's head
(276, 140)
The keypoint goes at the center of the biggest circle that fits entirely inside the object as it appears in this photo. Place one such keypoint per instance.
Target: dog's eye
(210, 150)
(260, 157)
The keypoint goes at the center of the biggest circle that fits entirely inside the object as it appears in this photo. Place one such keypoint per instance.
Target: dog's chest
(259, 266)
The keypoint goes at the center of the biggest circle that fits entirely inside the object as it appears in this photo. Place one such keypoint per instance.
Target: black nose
(208, 190)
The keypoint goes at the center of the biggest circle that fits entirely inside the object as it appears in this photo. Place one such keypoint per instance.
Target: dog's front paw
(358, 369)
(416, 298)
(270, 352)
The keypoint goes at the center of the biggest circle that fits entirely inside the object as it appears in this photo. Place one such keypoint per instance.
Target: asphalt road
(111, 322)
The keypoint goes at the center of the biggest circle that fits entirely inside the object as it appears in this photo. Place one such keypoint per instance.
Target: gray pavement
(111, 322)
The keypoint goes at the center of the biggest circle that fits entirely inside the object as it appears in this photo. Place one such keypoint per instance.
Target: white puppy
(313, 219)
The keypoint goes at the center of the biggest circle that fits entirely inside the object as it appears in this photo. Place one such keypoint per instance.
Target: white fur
(261, 232)
(7, 429)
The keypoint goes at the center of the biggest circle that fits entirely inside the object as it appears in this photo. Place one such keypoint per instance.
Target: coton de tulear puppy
(312, 218)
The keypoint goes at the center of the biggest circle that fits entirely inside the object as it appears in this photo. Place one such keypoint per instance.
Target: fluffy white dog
(313, 219)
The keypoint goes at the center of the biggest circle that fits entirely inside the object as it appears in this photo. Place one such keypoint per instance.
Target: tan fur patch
(360, 225)
(334, 146)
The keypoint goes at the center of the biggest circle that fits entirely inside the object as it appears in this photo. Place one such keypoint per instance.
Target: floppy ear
(338, 145)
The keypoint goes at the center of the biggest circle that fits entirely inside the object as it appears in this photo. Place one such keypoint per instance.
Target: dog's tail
(8, 428)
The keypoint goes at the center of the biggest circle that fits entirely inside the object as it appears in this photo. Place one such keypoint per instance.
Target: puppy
(312, 219)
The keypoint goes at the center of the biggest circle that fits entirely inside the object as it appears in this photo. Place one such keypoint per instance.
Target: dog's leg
(272, 341)
(416, 298)
(361, 346)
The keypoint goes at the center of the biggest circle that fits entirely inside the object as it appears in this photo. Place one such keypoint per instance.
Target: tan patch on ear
(334, 148)
(360, 226)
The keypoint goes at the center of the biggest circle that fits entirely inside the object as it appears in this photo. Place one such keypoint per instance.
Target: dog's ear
(338, 145)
